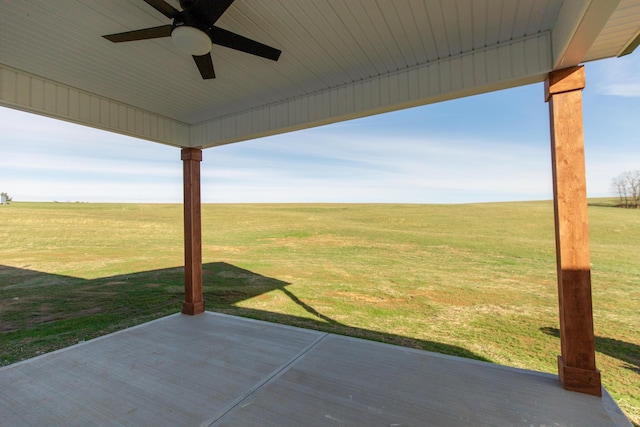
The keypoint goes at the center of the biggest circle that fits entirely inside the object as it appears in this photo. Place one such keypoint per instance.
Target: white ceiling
(341, 59)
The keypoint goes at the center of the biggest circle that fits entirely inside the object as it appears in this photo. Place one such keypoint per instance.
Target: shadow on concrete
(41, 312)
(626, 352)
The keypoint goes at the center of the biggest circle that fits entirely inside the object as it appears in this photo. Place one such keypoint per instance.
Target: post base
(193, 308)
(581, 380)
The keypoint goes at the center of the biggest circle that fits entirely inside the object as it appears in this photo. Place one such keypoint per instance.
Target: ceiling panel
(327, 45)
(620, 30)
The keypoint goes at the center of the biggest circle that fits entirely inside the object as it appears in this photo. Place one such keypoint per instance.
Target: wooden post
(577, 364)
(193, 299)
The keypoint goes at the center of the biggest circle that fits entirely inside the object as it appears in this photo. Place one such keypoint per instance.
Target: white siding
(37, 95)
(508, 65)
(619, 31)
(578, 25)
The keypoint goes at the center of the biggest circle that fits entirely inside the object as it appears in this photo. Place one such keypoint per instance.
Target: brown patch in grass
(38, 313)
(224, 249)
(442, 298)
(230, 295)
(17, 303)
(332, 241)
(364, 298)
(152, 285)
(61, 315)
(247, 278)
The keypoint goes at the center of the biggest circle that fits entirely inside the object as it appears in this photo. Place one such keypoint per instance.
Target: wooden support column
(577, 364)
(193, 299)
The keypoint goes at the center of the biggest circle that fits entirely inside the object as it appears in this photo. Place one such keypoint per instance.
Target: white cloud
(45, 159)
(628, 90)
(43, 190)
(69, 164)
(617, 76)
(488, 148)
(322, 165)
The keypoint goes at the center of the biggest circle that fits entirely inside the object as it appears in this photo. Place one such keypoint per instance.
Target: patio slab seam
(273, 376)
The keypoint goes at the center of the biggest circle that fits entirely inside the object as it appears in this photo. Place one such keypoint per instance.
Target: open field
(474, 280)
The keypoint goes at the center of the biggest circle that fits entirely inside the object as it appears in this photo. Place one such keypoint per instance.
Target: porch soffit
(340, 60)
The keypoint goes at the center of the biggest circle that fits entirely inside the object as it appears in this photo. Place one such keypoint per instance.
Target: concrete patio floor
(219, 370)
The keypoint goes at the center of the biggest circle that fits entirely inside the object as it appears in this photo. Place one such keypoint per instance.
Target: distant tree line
(627, 187)
(5, 197)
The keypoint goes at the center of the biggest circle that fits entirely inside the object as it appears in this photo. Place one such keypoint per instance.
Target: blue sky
(492, 147)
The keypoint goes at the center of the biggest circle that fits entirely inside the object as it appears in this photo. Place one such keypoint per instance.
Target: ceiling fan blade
(205, 65)
(212, 9)
(144, 34)
(163, 7)
(235, 41)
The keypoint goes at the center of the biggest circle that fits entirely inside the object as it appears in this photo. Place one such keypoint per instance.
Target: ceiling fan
(193, 31)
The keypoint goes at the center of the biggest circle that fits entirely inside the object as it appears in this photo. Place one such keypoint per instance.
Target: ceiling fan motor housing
(189, 35)
(193, 31)
(191, 40)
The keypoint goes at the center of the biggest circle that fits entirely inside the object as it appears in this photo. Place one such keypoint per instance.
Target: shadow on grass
(626, 352)
(42, 312)
(617, 205)
(606, 203)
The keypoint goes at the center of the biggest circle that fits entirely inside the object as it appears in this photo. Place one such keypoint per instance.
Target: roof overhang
(341, 60)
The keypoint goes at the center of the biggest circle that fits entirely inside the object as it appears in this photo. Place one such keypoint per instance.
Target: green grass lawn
(475, 280)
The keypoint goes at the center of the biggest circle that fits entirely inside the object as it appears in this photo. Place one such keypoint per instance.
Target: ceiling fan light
(191, 40)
